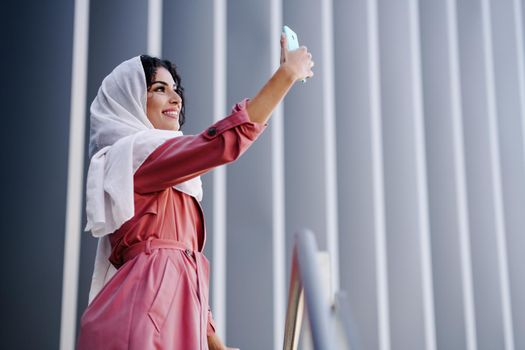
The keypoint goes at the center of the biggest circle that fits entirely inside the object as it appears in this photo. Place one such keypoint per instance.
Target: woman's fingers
(283, 41)
(309, 63)
(284, 48)
(299, 61)
(310, 66)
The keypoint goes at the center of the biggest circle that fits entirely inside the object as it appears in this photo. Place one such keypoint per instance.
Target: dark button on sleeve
(212, 131)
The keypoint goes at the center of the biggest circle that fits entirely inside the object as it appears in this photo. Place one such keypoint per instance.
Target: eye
(159, 89)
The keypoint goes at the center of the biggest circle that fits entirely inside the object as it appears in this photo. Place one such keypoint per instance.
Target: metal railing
(331, 323)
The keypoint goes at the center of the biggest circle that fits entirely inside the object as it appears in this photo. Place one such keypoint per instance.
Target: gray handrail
(331, 321)
(305, 276)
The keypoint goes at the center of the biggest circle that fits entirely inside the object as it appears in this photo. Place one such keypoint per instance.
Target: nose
(175, 98)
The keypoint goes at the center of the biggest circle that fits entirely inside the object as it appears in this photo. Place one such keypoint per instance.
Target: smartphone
(291, 37)
(293, 41)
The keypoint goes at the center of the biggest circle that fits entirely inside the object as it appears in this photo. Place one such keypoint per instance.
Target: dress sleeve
(185, 157)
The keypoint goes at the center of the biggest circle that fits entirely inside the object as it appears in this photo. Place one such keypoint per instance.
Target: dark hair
(151, 64)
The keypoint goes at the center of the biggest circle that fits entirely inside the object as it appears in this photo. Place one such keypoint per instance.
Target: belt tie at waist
(155, 243)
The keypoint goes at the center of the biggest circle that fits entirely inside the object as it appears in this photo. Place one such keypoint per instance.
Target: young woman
(150, 284)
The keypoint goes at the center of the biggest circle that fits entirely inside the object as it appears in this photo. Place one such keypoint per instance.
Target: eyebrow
(163, 83)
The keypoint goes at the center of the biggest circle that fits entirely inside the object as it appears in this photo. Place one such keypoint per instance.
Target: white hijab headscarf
(121, 138)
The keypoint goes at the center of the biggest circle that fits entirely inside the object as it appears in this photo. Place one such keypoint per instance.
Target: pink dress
(158, 299)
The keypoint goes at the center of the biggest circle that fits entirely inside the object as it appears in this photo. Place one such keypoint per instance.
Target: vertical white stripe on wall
(518, 19)
(376, 138)
(518, 28)
(330, 142)
(421, 176)
(461, 182)
(155, 28)
(496, 178)
(219, 174)
(75, 176)
(278, 210)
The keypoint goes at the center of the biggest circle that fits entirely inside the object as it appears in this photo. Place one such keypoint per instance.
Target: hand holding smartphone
(292, 40)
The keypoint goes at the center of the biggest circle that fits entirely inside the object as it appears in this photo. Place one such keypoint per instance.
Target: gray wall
(36, 76)
(429, 121)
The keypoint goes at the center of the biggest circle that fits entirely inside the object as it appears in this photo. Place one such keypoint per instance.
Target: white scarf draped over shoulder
(121, 138)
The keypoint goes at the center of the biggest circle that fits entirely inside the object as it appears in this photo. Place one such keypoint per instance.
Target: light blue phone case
(293, 41)
(291, 37)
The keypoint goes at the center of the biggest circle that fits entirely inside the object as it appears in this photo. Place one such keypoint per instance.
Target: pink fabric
(158, 299)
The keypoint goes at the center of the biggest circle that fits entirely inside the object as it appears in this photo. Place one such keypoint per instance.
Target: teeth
(171, 113)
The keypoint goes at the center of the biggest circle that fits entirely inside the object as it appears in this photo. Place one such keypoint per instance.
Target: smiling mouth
(171, 114)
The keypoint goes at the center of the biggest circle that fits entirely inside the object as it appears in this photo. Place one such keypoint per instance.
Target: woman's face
(163, 103)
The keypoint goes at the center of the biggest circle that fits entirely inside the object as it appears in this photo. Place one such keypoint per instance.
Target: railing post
(304, 283)
(295, 311)
(318, 308)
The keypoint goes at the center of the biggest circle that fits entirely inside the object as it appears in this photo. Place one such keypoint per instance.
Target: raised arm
(186, 157)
